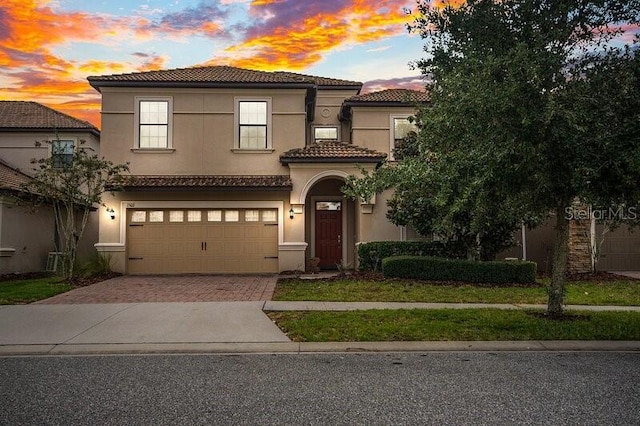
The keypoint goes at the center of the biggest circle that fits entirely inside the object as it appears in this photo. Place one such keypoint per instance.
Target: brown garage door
(176, 241)
(620, 250)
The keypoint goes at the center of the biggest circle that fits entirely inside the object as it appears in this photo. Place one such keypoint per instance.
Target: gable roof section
(12, 179)
(32, 116)
(332, 152)
(215, 182)
(402, 96)
(385, 98)
(218, 76)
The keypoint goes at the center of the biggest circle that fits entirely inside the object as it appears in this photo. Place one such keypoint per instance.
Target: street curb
(320, 347)
(361, 306)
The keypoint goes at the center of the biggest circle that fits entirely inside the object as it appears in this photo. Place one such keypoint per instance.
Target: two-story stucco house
(27, 237)
(239, 171)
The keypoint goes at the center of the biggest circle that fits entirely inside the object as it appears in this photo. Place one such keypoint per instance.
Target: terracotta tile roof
(11, 179)
(216, 76)
(332, 152)
(392, 96)
(263, 183)
(21, 115)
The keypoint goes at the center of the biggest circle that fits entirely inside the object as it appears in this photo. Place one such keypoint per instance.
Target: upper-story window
(401, 126)
(62, 152)
(253, 124)
(153, 123)
(325, 133)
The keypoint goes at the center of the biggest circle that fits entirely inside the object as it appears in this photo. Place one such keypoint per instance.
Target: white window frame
(136, 118)
(337, 139)
(236, 124)
(392, 131)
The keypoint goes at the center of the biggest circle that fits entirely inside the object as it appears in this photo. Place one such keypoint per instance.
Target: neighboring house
(239, 171)
(27, 237)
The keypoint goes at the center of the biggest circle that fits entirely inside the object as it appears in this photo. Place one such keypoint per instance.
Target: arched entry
(330, 223)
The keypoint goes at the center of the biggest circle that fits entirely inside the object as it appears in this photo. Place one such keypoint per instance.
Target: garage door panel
(233, 232)
(213, 232)
(210, 245)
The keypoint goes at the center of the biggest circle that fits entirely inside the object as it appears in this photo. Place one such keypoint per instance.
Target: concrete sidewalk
(132, 326)
(224, 327)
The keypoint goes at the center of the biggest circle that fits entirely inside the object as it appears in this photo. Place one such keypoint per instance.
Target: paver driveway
(171, 288)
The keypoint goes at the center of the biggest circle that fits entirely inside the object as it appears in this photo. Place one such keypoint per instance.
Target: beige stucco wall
(327, 110)
(203, 131)
(375, 226)
(371, 127)
(18, 148)
(26, 238)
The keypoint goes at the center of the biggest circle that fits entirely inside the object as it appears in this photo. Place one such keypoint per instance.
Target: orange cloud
(282, 43)
(443, 3)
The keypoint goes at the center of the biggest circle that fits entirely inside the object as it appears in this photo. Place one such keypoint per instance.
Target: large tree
(72, 185)
(533, 106)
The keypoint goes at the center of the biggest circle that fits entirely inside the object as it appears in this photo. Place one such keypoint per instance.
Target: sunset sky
(49, 47)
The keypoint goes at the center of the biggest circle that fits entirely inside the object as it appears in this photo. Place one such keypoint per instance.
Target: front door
(329, 233)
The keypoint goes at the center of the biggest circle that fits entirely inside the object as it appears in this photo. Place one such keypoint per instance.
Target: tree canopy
(72, 186)
(533, 105)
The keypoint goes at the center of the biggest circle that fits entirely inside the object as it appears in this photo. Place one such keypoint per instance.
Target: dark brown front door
(329, 233)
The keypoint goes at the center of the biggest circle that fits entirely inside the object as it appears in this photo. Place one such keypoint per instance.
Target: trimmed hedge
(370, 255)
(439, 269)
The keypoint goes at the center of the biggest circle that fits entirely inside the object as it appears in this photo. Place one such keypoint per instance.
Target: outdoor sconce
(112, 213)
(291, 213)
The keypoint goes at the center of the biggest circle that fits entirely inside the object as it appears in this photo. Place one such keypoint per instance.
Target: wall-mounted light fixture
(291, 213)
(111, 212)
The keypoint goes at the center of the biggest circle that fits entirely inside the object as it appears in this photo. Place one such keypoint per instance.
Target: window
(253, 124)
(325, 134)
(328, 205)
(62, 153)
(139, 216)
(231, 216)
(176, 216)
(400, 128)
(194, 216)
(153, 117)
(251, 215)
(269, 215)
(214, 216)
(156, 216)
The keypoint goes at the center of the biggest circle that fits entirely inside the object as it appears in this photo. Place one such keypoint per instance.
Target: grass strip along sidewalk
(445, 324)
(618, 292)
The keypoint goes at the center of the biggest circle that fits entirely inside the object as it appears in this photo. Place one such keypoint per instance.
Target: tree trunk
(559, 267)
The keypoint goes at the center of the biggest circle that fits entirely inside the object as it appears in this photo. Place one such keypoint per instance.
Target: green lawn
(443, 324)
(620, 292)
(30, 290)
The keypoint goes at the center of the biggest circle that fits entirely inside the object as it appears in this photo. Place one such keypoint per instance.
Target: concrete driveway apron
(159, 310)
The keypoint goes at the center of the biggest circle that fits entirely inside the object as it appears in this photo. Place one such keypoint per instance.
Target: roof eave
(93, 131)
(135, 188)
(286, 161)
(97, 84)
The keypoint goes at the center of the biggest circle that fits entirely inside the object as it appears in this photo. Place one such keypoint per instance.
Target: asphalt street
(586, 388)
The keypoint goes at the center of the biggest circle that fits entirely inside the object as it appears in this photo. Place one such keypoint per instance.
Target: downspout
(523, 230)
(594, 243)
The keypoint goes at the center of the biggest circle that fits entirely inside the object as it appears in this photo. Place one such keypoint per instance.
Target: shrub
(96, 265)
(370, 255)
(439, 269)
